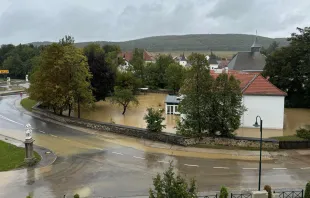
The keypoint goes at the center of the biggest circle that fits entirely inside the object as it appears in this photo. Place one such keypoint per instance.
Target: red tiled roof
(254, 84)
(128, 56)
(261, 86)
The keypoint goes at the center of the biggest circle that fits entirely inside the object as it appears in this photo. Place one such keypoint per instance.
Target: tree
(151, 77)
(162, 62)
(288, 69)
(138, 63)
(172, 186)
(211, 106)
(102, 70)
(174, 76)
(124, 97)
(154, 119)
(307, 191)
(67, 40)
(272, 47)
(61, 78)
(197, 95)
(226, 106)
(224, 192)
(127, 80)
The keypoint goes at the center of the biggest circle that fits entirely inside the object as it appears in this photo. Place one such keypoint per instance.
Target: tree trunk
(60, 111)
(125, 107)
(79, 108)
(54, 109)
(69, 113)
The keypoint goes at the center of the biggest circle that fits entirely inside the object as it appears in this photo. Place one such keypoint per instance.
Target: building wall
(183, 63)
(174, 109)
(269, 108)
(213, 66)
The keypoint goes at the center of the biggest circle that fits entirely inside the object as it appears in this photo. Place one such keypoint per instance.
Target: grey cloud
(37, 20)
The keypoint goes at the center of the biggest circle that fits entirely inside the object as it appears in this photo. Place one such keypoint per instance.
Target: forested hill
(194, 42)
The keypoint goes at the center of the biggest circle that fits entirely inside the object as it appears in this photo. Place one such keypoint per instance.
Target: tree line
(288, 68)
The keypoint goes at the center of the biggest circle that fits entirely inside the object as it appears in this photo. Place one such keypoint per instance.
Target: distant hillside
(195, 42)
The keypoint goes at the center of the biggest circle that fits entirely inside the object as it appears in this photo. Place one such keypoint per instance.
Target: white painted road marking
(42, 131)
(249, 168)
(305, 168)
(100, 149)
(163, 162)
(53, 135)
(139, 157)
(8, 119)
(117, 153)
(191, 165)
(221, 167)
(279, 168)
(66, 140)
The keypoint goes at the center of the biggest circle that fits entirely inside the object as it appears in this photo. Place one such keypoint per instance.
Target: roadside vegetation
(12, 157)
(27, 103)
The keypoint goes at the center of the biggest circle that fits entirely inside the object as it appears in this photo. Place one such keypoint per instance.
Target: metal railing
(291, 194)
(247, 195)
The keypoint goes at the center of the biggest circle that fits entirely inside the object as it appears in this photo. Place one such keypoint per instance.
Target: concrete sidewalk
(6, 93)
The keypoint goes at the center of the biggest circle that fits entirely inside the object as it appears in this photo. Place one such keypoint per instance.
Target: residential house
(260, 97)
(127, 56)
(249, 61)
(182, 60)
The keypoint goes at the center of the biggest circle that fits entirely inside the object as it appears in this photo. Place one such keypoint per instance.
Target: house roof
(254, 84)
(248, 61)
(172, 99)
(213, 61)
(146, 56)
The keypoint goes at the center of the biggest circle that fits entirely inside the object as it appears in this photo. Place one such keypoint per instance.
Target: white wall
(183, 63)
(269, 108)
(213, 66)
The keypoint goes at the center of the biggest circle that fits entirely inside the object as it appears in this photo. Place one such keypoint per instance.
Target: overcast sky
(23, 21)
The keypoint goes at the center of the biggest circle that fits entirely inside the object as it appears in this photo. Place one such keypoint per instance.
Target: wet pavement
(96, 165)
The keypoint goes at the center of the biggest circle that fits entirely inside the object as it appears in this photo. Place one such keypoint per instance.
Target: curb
(36, 148)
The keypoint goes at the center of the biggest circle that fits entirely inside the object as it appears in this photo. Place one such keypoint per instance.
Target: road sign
(4, 71)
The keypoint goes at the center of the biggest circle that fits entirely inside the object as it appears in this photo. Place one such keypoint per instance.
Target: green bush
(154, 119)
(224, 192)
(303, 133)
(307, 191)
(268, 189)
(76, 196)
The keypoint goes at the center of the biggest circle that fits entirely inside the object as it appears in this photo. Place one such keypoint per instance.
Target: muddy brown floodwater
(107, 112)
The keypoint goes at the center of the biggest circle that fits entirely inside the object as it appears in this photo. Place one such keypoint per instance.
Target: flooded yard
(106, 112)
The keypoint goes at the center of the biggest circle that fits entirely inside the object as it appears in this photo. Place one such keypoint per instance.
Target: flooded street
(107, 112)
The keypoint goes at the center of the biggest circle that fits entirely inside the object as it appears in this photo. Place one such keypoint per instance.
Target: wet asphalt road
(91, 166)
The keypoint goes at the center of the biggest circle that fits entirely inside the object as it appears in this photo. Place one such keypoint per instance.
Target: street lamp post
(260, 148)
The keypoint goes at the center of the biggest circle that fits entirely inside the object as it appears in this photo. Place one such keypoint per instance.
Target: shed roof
(172, 99)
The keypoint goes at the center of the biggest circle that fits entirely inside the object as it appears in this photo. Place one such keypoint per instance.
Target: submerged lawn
(12, 157)
(28, 103)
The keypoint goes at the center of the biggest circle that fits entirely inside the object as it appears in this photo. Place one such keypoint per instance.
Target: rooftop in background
(172, 99)
(146, 56)
(250, 60)
(254, 84)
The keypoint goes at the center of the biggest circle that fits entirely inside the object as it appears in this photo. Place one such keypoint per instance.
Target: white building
(260, 98)
(172, 104)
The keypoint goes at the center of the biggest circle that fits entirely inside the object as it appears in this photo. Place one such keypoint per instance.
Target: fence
(208, 196)
(247, 195)
(290, 194)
